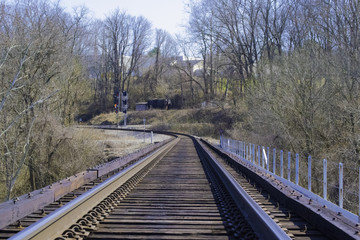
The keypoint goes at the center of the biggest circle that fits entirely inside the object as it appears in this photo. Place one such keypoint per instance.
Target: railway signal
(124, 103)
(116, 107)
(116, 102)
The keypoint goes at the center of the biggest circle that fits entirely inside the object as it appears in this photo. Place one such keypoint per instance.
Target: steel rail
(56, 223)
(65, 217)
(257, 217)
(331, 224)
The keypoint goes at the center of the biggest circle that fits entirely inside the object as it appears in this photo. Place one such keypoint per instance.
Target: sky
(165, 14)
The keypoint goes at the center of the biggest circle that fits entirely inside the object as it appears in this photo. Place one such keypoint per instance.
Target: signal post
(124, 105)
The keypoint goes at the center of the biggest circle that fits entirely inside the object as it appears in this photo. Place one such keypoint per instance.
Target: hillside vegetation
(200, 122)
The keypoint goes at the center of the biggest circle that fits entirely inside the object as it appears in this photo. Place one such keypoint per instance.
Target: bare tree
(234, 26)
(128, 39)
(346, 35)
(201, 28)
(117, 28)
(140, 42)
(100, 68)
(40, 74)
(275, 17)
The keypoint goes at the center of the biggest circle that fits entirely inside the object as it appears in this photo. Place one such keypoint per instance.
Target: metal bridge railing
(310, 181)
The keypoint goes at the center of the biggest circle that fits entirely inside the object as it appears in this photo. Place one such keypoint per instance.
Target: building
(142, 106)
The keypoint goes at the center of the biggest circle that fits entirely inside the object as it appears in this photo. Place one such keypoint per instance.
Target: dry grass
(80, 148)
(114, 143)
(199, 122)
(110, 117)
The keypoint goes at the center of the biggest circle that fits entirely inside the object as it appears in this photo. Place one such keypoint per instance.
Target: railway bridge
(181, 188)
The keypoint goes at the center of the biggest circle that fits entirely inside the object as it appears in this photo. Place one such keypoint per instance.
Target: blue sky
(165, 14)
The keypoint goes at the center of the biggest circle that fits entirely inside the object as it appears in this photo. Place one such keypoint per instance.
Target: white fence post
(297, 170)
(254, 150)
(250, 152)
(341, 187)
(274, 160)
(325, 179)
(244, 147)
(259, 155)
(289, 166)
(309, 173)
(268, 158)
(281, 163)
(263, 157)
(239, 147)
(247, 151)
(242, 150)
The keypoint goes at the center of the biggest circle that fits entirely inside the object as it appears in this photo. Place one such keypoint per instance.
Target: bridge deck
(173, 201)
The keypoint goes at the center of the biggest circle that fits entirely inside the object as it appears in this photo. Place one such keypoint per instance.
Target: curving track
(182, 191)
(173, 201)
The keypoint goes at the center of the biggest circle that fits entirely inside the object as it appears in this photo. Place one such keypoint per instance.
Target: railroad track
(300, 217)
(290, 221)
(179, 192)
(173, 201)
